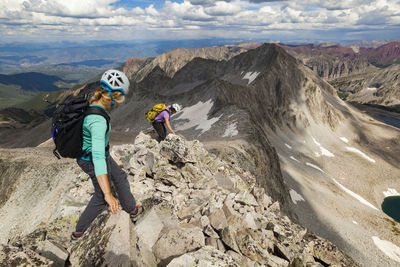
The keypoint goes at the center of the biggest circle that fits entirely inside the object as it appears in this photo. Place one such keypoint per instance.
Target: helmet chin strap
(109, 91)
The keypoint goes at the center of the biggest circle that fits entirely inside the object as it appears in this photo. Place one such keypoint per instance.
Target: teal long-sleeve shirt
(95, 140)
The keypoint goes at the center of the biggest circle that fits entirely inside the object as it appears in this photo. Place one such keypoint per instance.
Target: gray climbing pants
(160, 129)
(97, 203)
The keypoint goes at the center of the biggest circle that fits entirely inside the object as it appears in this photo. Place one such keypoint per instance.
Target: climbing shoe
(135, 213)
(75, 236)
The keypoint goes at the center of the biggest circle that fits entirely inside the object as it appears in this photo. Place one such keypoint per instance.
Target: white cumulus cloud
(201, 18)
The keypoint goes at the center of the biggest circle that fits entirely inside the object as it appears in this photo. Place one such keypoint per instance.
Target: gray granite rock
(206, 257)
(177, 240)
(13, 256)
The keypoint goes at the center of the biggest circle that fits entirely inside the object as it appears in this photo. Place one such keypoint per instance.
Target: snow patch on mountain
(231, 130)
(355, 150)
(251, 76)
(197, 116)
(390, 249)
(296, 197)
(391, 192)
(324, 151)
(314, 166)
(351, 193)
(293, 158)
(344, 139)
(288, 146)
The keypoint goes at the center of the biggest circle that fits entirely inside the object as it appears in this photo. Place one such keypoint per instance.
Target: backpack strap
(93, 110)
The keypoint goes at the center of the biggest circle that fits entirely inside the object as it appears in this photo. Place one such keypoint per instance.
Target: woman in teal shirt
(97, 162)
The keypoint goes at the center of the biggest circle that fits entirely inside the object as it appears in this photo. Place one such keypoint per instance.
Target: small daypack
(66, 129)
(152, 113)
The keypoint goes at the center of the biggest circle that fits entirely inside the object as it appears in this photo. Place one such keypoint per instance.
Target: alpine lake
(391, 206)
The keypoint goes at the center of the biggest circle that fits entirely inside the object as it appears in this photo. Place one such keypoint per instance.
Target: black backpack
(66, 129)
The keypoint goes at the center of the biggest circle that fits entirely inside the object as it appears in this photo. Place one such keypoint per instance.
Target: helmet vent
(116, 80)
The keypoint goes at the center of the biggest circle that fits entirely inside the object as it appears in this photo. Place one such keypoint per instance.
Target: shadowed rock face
(9, 170)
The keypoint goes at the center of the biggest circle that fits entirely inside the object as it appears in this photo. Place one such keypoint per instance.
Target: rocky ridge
(384, 55)
(172, 61)
(199, 210)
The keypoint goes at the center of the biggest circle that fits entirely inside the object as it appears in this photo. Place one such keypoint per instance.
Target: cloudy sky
(308, 20)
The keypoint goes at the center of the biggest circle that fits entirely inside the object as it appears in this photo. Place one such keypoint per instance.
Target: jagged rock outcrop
(379, 87)
(133, 65)
(334, 67)
(13, 256)
(199, 209)
(384, 55)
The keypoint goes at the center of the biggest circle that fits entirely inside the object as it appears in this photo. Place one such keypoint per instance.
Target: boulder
(250, 248)
(55, 252)
(13, 256)
(249, 222)
(241, 260)
(233, 217)
(246, 198)
(206, 257)
(209, 231)
(57, 233)
(326, 252)
(177, 240)
(149, 163)
(228, 235)
(168, 176)
(276, 261)
(147, 231)
(106, 241)
(218, 219)
(177, 150)
(224, 182)
(210, 241)
(189, 212)
(204, 221)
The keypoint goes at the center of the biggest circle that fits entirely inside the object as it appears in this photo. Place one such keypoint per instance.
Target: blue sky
(270, 20)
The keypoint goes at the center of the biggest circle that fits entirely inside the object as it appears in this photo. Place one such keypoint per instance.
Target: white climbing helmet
(177, 107)
(115, 80)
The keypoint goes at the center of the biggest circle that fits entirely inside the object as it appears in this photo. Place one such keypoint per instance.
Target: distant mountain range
(366, 75)
(384, 55)
(34, 81)
(32, 92)
(336, 61)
